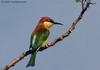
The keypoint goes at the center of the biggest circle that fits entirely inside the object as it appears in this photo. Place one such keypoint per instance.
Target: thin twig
(82, 3)
(52, 43)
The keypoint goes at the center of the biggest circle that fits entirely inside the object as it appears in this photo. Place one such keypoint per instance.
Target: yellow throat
(47, 24)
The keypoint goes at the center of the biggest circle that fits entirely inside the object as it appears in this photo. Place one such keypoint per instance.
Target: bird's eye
(51, 21)
(48, 20)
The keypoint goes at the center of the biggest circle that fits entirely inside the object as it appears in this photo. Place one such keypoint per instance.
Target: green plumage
(37, 40)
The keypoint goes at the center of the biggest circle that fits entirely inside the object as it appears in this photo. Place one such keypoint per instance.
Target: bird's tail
(32, 59)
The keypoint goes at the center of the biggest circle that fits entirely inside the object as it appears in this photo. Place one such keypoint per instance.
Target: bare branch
(17, 59)
(86, 5)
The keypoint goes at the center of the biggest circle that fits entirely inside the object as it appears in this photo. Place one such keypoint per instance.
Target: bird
(39, 37)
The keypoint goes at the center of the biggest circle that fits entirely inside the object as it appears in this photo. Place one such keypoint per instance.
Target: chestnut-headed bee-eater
(39, 37)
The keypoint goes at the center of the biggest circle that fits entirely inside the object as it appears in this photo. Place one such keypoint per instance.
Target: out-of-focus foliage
(0, 68)
(77, 0)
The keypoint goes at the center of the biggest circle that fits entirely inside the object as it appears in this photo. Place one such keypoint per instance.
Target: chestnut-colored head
(48, 22)
(45, 23)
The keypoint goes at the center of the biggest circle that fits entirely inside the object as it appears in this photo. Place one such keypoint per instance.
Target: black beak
(58, 23)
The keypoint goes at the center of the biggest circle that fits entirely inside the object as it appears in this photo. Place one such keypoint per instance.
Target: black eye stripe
(48, 20)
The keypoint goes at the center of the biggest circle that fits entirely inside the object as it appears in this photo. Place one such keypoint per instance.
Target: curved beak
(58, 23)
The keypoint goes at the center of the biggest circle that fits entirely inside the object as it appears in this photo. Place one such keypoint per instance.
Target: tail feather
(32, 60)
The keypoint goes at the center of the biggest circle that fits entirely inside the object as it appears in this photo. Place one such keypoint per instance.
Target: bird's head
(47, 22)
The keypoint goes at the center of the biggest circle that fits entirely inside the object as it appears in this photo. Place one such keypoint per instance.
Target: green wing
(39, 38)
